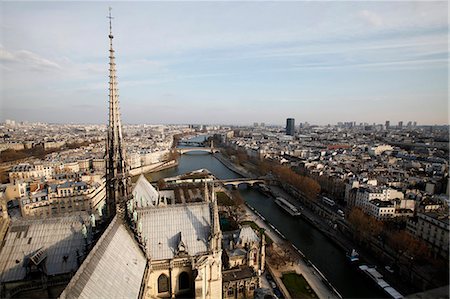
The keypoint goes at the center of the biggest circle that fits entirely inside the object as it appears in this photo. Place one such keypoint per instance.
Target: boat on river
(287, 206)
(265, 190)
(377, 277)
(353, 256)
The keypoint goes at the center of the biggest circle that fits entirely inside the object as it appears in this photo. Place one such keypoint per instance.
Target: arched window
(252, 287)
(183, 281)
(241, 289)
(163, 283)
(230, 291)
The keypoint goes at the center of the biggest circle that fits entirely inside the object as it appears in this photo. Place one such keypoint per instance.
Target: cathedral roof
(161, 227)
(144, 193)
(247, 235)
(242, 272)
(113, 269)
(56, 239)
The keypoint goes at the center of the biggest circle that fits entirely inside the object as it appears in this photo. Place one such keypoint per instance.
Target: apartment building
(433, 228)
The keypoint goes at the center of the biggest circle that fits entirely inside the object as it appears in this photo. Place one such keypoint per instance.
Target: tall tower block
(117, 176)
(290, 126)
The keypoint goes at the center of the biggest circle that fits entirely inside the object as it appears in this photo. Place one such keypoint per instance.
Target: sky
(226, 62)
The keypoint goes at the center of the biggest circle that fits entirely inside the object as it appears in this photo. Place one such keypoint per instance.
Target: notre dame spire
(117, 178)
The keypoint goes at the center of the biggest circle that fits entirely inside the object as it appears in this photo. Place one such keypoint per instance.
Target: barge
(287, 206)
(377, 277)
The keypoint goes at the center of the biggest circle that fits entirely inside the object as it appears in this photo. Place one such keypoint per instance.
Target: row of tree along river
(329, 258)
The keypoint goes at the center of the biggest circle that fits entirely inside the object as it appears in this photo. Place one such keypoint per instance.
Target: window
(183, 281)
(252, 287)
(163, 283)
(230, 291)
(241, 289)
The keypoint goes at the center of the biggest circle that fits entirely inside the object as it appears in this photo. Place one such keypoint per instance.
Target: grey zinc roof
(58, 236)
(247, 235)
(113, 269)
(145, 195)
(238, 274)
(161, 226)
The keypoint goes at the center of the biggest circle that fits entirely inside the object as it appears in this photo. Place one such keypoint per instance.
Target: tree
(402, 241)
(161, 183)
(241, 157)
(365, 226)
(308, 186)
(237, 197)
(173, 155)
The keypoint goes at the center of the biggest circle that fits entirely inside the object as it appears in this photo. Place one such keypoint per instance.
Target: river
(329, 258)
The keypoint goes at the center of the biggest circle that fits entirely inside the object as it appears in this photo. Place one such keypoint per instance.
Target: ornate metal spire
(216, 243)
(117, 178)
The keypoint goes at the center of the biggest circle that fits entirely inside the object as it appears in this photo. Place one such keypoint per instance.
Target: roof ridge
(100, 245)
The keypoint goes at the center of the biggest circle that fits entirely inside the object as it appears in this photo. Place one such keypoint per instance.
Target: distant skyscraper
(414, 124)
(387, 125)
(255, 124)
(118, 182)
(263, 125)
(400, 125)
(290, 126)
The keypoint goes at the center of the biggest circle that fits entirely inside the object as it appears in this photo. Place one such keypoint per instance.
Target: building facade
(63, 199)
(290, 126)
(432, 228)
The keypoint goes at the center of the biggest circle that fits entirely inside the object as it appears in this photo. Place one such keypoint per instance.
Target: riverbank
(325, 227)
(233, 167)
(294, 260)
(299, 264)
(314, 220)
(153, 167)
(336, 234)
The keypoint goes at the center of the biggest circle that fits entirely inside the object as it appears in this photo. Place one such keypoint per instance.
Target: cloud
(371, 18)
(419, 63)
(85, 106)
(221, 51)
(28, 59)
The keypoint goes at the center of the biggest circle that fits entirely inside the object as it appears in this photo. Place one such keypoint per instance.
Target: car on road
(278, 293)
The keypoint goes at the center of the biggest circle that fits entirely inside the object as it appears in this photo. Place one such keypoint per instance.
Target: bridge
(191, 143)
(249, 181)
(184, 150)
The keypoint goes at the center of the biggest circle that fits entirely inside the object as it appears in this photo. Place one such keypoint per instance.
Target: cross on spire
(110, 22)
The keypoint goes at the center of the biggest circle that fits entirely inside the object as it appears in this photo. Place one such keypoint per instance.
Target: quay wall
(153, 167)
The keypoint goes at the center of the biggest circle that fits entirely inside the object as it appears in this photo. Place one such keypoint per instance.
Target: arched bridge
(191, 143)
(184, 150)
(236, 182)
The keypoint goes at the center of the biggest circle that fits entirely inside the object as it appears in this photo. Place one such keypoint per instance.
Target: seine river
(329, 258)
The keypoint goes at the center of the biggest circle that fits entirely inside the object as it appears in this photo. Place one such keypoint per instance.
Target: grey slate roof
(161, 226)
(58, 236)
(247, 235)
(113, 269)
(145, 195)
(238, 274)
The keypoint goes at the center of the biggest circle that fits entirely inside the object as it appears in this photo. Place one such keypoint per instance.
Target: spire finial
(110, 22)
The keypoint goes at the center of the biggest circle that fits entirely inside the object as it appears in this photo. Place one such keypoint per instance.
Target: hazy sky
(222, 62)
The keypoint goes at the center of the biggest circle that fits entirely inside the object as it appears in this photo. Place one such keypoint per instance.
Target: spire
(117, 178)
(216, 232)
(110, 23)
